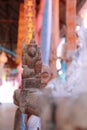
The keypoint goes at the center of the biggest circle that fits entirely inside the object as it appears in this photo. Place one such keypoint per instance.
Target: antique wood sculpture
(31, 60)
(35, 76)
(31, 77)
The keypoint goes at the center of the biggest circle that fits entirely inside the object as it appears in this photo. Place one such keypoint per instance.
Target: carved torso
(31, 60)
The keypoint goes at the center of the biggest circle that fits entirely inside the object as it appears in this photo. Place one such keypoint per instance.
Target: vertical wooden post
(29, 11)
(55, 35)
(71, 23)
(21, 31)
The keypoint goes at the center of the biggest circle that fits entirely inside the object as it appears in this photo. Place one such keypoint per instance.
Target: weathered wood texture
(31, 60)
(30, 101)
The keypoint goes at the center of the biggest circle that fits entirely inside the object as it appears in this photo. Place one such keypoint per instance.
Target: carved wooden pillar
(71, 23)
(21, 31)
(55, 34)
(29, 10)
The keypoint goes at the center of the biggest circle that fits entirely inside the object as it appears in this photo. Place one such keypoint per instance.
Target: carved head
(32, 50)
(46, 75)
(32, 47)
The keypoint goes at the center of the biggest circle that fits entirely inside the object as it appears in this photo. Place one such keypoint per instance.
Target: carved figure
(32, 65)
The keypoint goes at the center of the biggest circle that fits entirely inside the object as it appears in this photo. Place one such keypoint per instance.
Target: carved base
(30, 100)
(31, 83)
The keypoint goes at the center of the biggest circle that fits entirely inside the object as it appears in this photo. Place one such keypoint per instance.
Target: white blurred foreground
(7, 91)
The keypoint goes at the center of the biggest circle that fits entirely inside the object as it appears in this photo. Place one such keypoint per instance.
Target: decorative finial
(33, 39)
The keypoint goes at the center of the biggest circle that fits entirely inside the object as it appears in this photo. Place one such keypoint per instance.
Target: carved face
(32, 51)
(46, 76)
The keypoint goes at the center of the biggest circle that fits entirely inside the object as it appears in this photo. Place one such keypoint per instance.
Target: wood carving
(32, 65)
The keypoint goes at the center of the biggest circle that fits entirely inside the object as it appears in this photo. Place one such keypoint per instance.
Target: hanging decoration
(71, 23)
(61, 63)
(29, 11)
(8, 51)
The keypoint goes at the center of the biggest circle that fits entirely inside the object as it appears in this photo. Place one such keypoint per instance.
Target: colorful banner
(39, 20)
(71, 23)
(45, 40)
(29, 10)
